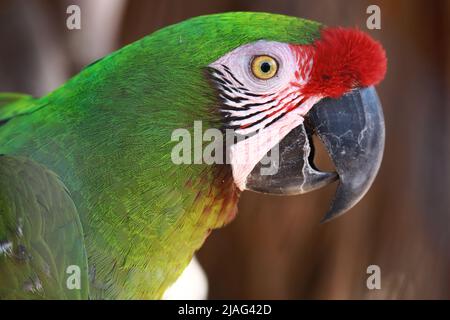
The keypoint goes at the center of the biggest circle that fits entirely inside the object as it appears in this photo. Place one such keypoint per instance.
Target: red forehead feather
(344, 59)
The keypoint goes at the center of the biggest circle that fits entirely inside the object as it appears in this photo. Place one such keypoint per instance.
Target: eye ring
(264, 67)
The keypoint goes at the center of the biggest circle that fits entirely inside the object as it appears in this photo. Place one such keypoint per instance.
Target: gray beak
(352, 130)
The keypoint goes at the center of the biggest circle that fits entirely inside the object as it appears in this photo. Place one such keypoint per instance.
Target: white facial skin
(271, 107)
(239, 62)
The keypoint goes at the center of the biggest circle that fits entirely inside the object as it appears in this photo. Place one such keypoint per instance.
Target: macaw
(92, 205)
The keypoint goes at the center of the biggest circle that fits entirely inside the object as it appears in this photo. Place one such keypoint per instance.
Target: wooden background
(276, 247)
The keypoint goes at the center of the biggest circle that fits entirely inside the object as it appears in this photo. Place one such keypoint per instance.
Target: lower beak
(352, 130)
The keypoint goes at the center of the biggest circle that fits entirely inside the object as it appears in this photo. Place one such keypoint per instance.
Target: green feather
(15, 104)
(40, 234)
(107, 134)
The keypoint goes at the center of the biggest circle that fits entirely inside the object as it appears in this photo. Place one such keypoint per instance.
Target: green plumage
(41, 231)
(106, 135)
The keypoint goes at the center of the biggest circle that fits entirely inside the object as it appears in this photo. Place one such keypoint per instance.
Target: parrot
(92, 205)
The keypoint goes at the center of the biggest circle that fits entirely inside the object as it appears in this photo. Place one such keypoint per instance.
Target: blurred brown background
(276, 247)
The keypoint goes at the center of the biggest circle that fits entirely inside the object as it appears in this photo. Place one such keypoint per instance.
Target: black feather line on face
(257, 104)
(275, 119)
(283, 114)
(247, 93)
(227, 89)
(234, 99)
(232, 75)
(223, 82)
(227, 92)
(237, 118)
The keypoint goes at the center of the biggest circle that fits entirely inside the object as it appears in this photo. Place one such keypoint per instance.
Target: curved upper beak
(352, 130)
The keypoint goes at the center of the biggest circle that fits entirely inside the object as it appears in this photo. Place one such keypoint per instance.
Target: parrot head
(279, 94)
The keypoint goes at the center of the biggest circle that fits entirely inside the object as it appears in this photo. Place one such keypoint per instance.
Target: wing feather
(41, 236)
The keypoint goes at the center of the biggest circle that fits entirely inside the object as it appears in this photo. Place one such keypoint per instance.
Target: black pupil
(265, 67)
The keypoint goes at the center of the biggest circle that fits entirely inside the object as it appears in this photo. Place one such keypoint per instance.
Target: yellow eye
(264, 67)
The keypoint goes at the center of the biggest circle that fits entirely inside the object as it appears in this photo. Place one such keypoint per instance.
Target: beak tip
(331, 215)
